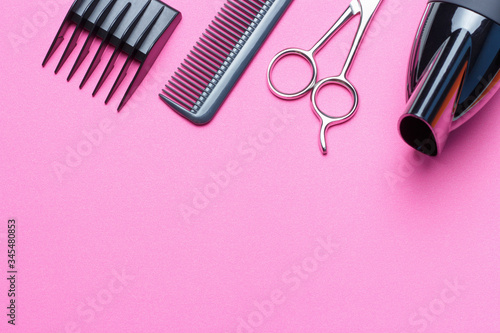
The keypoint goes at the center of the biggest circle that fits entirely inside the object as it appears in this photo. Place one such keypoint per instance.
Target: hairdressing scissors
(366, 9)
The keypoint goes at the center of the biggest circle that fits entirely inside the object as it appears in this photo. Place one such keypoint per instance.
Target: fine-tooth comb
(139, 28)
(210, 71)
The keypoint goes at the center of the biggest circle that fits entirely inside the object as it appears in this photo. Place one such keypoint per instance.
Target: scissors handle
(309, 57)
(326, 120)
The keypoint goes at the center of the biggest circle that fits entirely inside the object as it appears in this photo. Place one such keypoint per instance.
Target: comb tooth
(212, 53)
(186, 67)
(177, 98)
(169, 95)
(212, 66)
(203, 83)
(179, 107)
(230, 12)
(209, 66)
(91, 37)
(134, 23)
(186, 77)
(234, 25)
(118, 49)
(221, 37)
(188, 84)
(180, 93)
(107, 71)
(76, 34)
(93, 65)
(235, 14)
(231, 24)
(198, 69)
(186, 93)
(242, 10)
(201, 62)
(218, 54)
(195, 70)
(119, 79)
(57, 41)
(213, 60)
(191, 89)
(131, 57)
(255, 7)
(136, 81)
(192, 76)
(60, 35)
(247, 6)
(104, 44)
(212, 41)
(175, 106)
(228, 34)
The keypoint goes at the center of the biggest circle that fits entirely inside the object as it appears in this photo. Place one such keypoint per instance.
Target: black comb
(202, 83)
(139, 28)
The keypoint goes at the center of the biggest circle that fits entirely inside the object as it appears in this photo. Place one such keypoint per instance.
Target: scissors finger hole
(292, 75)
(335, 99)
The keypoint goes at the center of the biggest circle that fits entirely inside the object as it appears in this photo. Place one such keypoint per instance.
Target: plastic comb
(209, 72)
(138, 28)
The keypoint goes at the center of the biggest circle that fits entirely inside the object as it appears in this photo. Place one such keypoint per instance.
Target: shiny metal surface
(454, 70)
(366, 9)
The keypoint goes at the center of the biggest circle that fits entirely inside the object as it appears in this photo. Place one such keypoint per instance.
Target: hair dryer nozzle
(454, 69)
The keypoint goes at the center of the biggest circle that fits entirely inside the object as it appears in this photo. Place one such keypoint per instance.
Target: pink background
(416, 240)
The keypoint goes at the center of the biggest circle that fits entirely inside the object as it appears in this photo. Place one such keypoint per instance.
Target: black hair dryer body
(454, 70)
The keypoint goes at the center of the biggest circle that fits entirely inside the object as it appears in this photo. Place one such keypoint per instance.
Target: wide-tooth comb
(139, 28)
(209, 72)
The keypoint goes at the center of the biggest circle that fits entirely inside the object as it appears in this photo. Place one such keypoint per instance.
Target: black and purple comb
(139, 28)
(202, 83)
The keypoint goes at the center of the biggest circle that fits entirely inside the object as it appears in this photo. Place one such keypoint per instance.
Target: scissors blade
(368, 8)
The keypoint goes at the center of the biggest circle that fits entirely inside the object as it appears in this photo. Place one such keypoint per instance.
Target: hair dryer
(454, 70)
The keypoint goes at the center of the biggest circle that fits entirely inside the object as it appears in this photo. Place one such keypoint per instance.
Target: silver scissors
(366, 9)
